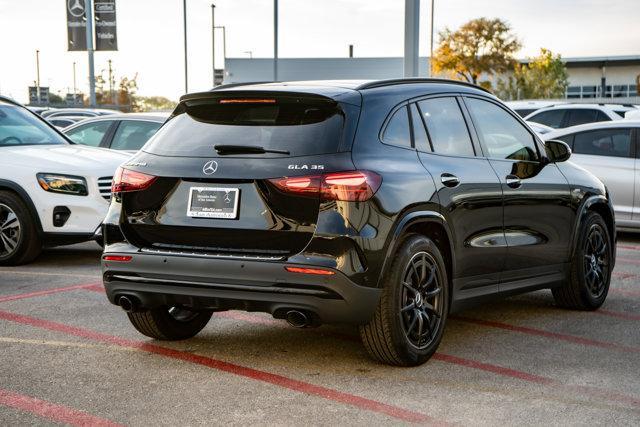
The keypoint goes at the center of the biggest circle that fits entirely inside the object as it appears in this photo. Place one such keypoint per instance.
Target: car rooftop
(350, 84)
(595, 125)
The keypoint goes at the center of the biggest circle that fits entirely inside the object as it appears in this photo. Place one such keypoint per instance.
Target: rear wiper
(245, 149)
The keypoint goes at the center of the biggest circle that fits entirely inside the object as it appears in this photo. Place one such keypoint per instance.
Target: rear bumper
(244, 284)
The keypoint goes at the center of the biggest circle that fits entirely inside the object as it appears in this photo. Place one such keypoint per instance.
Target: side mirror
(557, 151)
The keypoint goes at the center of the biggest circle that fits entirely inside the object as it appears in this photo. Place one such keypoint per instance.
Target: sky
(150, 35)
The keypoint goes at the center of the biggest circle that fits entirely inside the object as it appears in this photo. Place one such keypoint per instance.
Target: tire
(391, 336)
(20, 241)
(590, 274)
(161, 324)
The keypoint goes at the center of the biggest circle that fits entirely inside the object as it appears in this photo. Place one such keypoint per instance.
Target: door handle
(449, 180)
(513, 181)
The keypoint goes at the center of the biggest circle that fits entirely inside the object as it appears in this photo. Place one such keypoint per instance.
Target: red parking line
(548, 334)
(629, 247)
(622, 275)
(620, 260)
(487, 367)
(51, 411)
(618, 314)
(267, 377)
(45, 292)
(625, 292)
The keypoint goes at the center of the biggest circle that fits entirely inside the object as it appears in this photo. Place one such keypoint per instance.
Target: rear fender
(407, 221)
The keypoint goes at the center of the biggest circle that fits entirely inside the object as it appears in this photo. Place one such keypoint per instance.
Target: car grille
(104, 185)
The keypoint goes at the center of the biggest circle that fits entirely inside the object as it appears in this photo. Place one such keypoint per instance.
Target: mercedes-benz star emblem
(210, 167)
(76, 8)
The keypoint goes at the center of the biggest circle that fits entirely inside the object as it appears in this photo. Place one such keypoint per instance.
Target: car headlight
(65, 184)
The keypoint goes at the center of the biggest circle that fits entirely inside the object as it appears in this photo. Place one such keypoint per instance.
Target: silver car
(126, 132)
(611, 151)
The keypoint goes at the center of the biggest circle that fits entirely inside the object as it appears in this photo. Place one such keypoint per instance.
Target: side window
(397, 131)
(446, 126)
(501, 134)
(580, 116)
(132, 135)
(606, 142)
(90, 133)
(602, 117)
(551, 118)
(566, 138)
(420, 138)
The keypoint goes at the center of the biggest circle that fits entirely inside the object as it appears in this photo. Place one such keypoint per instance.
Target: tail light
(126, 180)
(351, 186)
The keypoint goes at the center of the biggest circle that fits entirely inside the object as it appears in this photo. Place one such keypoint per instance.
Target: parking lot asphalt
(70, 357)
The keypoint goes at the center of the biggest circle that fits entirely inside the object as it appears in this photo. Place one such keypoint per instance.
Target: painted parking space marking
(542, 333)
(44, 273)
(51, 411)
(628, 247)
(53, 343)
(609, 395)
(232, 368)
(617, 314)
(44, 292)
(622, 261)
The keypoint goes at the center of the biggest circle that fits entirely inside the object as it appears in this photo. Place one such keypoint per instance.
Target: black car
(385, 204)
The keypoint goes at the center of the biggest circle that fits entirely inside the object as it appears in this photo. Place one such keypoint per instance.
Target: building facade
(589, 77)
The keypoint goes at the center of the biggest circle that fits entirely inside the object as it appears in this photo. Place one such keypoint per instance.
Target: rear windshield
(21, 127)
(299, 126)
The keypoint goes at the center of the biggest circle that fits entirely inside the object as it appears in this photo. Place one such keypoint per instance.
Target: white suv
(562, 116)
(52, 192)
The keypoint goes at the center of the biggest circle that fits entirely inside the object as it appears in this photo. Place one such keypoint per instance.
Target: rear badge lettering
(308, 167)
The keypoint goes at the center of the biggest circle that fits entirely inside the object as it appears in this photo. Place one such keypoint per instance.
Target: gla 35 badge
(309, 167)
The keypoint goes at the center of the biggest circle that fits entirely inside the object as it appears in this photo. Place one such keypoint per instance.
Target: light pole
(74, 83)
(411, 37)
(213, 43)
(224, 42)
(88, 7)
(38, 71)
(431, 49)
(275, 40)
(186, 69)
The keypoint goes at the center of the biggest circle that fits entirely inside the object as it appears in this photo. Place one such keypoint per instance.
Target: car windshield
(20, 127)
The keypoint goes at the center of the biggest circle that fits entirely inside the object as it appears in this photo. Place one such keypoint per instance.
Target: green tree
(155, 103)
(127, 93)
(542, 77)
(480, 47)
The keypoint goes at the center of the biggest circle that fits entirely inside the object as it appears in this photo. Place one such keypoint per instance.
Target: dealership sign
(104, 25)
(76, 25)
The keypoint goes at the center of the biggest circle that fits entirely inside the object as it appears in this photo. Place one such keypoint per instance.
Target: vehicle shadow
(82, 256)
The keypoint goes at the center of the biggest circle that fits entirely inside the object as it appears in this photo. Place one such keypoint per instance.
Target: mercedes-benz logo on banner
(76, 7)
(210, 167)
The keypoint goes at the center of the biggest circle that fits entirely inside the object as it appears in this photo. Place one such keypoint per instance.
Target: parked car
(63, 121)
(385, 204)
(524, 108)
(52, 192)
(610, 150)
(77, 112)
(39, 110)
(562, 116)
(128, 132)
(540, 129)
(633, 115)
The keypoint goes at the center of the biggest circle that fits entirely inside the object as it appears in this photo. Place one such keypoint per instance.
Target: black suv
(385, 204)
